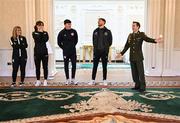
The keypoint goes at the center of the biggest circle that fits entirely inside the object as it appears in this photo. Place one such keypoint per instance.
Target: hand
(40, 29)
(159, 39)
(118, 56)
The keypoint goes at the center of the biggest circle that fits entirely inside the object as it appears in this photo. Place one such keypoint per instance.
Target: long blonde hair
(14, 32)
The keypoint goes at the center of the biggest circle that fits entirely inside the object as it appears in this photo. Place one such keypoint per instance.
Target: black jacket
(107, 39)
(40, 39)
(134, 42)
(67, 40)
(19, 48)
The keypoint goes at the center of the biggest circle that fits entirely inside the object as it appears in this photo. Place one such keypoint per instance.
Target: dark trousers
(103, 55)
(37, 60)
(18, 62)
(73, 59)
(137, 69)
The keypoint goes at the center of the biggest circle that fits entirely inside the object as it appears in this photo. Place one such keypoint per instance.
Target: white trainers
(73, 81)
(67, 81)
(92, 82)
(45, 83)
(105, 82)
(21, 84)
(38, 83)
(13, 84)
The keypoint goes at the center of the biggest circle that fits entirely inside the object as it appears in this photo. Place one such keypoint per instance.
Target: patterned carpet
(91, 105)
(100, 84)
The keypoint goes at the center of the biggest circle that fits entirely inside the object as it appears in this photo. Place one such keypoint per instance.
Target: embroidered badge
(105, 33)
(72, 34)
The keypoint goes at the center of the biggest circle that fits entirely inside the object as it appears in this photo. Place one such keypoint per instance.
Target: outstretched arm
(126, 47)
(148, 39)
(151, 40)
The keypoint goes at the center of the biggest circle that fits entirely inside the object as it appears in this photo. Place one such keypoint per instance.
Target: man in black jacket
(67, 40)
(134, 42)
(102, 40)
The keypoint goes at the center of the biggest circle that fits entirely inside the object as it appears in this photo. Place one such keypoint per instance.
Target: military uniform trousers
(137, 69)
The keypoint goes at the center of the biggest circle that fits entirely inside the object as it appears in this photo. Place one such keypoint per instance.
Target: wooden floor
(84, 75)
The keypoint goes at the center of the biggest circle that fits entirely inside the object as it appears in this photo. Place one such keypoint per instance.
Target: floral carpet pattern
(35, 104)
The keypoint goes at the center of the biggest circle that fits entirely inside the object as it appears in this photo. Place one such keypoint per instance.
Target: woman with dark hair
(40, 51)
(19, 55)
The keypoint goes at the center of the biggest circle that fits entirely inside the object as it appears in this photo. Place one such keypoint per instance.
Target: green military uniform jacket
(134, 42)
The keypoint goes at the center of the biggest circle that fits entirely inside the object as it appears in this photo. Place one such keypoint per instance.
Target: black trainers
(142, 90)
(135, 88)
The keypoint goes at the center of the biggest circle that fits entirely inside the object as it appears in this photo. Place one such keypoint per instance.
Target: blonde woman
(19, 54)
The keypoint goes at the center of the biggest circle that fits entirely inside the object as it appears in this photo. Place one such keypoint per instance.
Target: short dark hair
(137, 23)
(67, 21)
(102, 19)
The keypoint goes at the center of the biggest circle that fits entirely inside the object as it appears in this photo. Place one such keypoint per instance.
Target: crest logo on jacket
(105, 33)
(72, 34)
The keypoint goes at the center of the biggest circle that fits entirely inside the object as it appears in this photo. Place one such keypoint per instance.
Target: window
(119, 15)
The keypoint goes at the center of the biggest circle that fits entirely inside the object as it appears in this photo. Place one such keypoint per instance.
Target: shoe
(38, 83)
(45, 83)
(92, 82)
(142, 90)
(67, 82)
(13, 84)
(105, 82)
(21, 83)
(135, 88)
(73, 81)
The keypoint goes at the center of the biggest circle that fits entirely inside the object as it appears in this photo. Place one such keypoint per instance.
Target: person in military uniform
(134, 42)
(67, 41)
(102, 40)
(19, 54)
